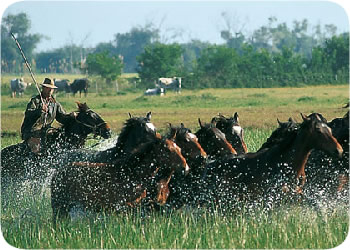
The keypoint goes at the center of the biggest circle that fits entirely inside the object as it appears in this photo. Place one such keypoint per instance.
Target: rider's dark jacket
(35, 119)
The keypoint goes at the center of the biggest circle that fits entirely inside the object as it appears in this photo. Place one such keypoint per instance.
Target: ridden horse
(17, 161)
(124, 182)
(246, 176)
(181, 187)
(213, 141)
(233, 131)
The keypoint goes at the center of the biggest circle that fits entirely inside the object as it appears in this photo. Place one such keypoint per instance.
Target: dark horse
(136, 130)
(144, 173)
(233, 131)
(278, 166)
(213, 141)
(17, 161)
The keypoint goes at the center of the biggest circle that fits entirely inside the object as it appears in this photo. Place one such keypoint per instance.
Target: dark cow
(80, 85)
(18, 86)
(62, 85)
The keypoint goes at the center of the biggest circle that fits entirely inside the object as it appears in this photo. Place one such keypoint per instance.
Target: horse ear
(149, 115)
(213, 120)
(279, 122)
(200, 123)
(130, 116)
(236, 117)
(79, 104)
(172, 132)
(305, 118)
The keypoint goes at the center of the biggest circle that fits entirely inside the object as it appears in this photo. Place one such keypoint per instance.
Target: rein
(94, 128)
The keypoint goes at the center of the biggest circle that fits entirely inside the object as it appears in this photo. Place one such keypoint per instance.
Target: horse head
(213, 140)
(318, 135)
(233, 131)
(188, 142)
(136, 130)
(91, 122)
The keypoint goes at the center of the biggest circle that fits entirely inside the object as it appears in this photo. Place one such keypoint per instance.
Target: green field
(26, 215)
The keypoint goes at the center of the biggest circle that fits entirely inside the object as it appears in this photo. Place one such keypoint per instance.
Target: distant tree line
(273, 55)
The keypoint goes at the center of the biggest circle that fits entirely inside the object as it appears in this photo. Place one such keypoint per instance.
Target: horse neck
(75, 134)
(297, 153)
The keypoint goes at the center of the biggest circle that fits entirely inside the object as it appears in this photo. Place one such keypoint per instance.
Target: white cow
(155, 91)
(18, 86)
(167, 83)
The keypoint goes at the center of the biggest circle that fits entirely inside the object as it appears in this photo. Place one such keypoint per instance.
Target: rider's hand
(73, 114)
(44, 108)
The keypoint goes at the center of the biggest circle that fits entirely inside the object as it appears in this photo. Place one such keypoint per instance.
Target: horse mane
(140, 152)
(180, 132)
(128, 125)
(284, 130)
(221, 118)
(291, 129)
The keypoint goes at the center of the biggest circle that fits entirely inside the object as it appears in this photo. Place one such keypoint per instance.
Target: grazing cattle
(80, 85)
(18, 86)
(273, 169)
(155, 91)
(62, 85)
(170, 83)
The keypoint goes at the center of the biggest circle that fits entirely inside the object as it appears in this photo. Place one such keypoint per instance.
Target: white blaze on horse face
(236, 130)
(192, 136)
(151, 126)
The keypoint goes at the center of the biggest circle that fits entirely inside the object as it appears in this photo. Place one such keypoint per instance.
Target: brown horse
(213, 141)
(282, 164)
(328, 173)
(233, 131)
(180, 186)
(17, 161)
(112, 186)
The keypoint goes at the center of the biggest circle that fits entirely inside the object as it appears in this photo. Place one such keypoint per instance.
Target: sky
(88, 23)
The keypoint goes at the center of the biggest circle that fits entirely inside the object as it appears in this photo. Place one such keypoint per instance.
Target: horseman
(41, 112)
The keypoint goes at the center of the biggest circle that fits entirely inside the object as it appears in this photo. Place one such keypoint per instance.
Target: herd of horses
(209, 167)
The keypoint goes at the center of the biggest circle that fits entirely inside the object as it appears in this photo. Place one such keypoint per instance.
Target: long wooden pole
(28, 66)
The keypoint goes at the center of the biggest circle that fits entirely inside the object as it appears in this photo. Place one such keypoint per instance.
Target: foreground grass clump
(26, 223)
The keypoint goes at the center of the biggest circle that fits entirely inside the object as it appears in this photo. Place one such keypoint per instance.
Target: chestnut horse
(213, 141)
(233, 131)
(17, 161)
(125, 182)
(229, 180)
(327, 173)
(181, 187)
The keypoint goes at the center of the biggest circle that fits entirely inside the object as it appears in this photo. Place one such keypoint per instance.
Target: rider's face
(47, 92)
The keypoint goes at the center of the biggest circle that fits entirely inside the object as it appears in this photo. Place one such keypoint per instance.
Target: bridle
(92, 127)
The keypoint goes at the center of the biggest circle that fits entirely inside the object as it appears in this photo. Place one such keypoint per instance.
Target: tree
(131, 44)
(108, 67)
(160, 60)
(19, 25)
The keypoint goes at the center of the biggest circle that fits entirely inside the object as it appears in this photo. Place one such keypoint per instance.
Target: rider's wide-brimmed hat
(49, 83)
